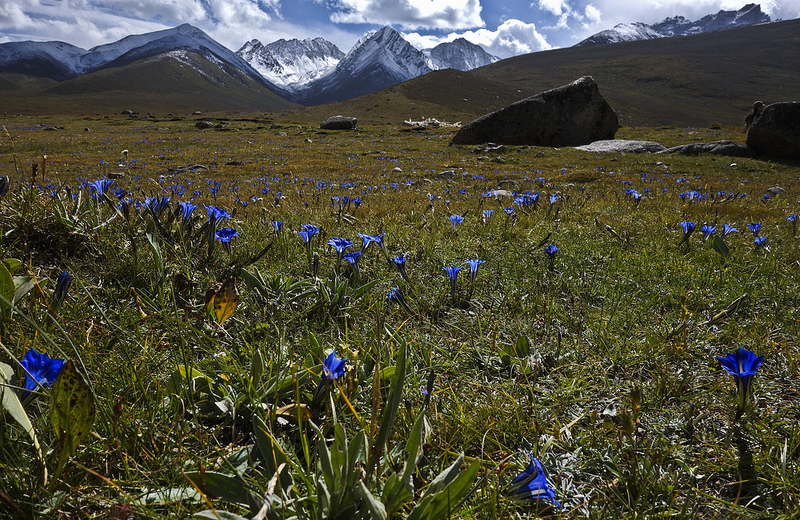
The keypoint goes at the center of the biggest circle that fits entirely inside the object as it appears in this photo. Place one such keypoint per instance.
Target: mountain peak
(678, 26)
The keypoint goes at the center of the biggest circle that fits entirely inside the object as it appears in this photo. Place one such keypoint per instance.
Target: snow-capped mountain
(379, 60)
(460, 54)
(291, 63)
(62, 61)
(678, 26)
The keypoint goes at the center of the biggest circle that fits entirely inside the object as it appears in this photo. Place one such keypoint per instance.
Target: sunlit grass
(616, 388)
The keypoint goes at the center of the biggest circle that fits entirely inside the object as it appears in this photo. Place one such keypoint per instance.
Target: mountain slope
(377, 61)
(691, 81)
(460, 54)
(54, 60)
(678, 26)
(293, 63)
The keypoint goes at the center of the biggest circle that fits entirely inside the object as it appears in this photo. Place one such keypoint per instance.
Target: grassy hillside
(686, 81)
(161, 84)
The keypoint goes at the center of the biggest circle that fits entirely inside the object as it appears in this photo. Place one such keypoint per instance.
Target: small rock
(204, 124)
(339, 123)
(127, 112)
(308, 140)
(397, 169)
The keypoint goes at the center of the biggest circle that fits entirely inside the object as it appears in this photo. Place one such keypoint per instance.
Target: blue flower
(352, 257)
(553, 198)
(395, 295)
(333, 368)
(456, 220)
(62, 286)
(742, 365)
(224, 235)
(311, 229)
(754, 227)
(728, 229)
(42, 367)
(688, 229)
(276, 225)
(792, 218)
(487, 214)
(186, 210)
(369, 239)
(532, 484)
(452, 273)
(760, 242)
(551, 250)
(100, 187)
(216, 215)
(473, 268)
(708, 231)
(400, 263)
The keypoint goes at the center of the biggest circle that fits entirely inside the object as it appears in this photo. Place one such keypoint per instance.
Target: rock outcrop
(339, 123)
(776, 133)
(571, 115)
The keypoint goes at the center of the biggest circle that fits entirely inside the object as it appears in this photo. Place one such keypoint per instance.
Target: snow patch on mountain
(460, 54)
(291, 63)
(678, 26)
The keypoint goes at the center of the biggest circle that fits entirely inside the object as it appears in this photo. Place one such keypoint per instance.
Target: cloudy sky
(503, 27)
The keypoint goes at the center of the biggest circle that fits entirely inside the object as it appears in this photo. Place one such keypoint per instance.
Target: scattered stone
(127, 112)
(86, 129)
(622, 145)
(447, 174)
(339, 123)
(571, 115)
(281, 134)
(202, 125)
(501, 193)
(197, 113)
(490, 148)
(727, 148)
(182, 169)
(507, 183)
(397, 169)
(115, 175)
(775, 190)
(308, 140)
(777, 131)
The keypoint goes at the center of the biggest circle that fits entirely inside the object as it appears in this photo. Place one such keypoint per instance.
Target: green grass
(630, 414)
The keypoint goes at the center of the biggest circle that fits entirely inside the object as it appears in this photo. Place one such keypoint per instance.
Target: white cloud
(411, 14)
(511, 38)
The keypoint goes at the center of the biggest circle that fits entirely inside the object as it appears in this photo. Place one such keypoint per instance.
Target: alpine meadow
(238, 314)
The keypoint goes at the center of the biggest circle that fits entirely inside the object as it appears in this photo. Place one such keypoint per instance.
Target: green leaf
(374, 507)
(218, 515)
(440, 502)
(395, 396)
(226, 487)
(719, 246)
(10, 403)
(12, 264)
(271, 452)
(523, 347)
(6, 292)
(257, 368)
(71, 413)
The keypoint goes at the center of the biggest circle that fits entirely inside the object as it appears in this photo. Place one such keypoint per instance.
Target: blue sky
(503, 27)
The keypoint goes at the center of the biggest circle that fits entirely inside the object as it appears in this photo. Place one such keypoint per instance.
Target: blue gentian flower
(532, 485)
(42, 367)
(276, 225)
(754, 227)
(400, 263)
(396, 296)
(100, 187)
(487, 214)
(340, 244)
(473, 268)
(456, 220)
(742, 365)
(688, 229)
(215, 214)
(224, 235)
(352, 257)
(708, 231)
(551, 250)
(369, 239)
(508, 211)
(452, 273)
(792, 218)
(553, 198)
(333, 368)
(760, 242)
(728, 229)
(186, 210)
(62, 286)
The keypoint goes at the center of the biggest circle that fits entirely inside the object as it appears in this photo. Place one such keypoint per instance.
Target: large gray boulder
(571, 115)
(776, 132)
(339, 123)
(621, 145)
